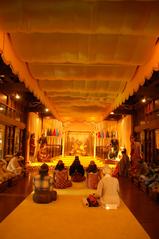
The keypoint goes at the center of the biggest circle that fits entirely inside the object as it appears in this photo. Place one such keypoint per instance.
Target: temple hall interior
(79, 81)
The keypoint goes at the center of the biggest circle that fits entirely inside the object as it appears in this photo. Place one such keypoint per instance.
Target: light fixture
(17, 96)
(1, 108)
(4, 97)
(46, 109)
(143, 100)
(92, 118)
(112, 113)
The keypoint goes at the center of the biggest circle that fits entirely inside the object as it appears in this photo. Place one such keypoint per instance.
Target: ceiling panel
(80, 58)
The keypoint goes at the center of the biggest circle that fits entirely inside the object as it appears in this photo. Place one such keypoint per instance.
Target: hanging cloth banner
(54, 132)
(57, 132)
(98, 134)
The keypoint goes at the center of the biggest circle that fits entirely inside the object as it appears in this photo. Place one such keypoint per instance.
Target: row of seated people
(107, 189)
(5, 174)
(147, 178)
(144, 175)
(77, 174)
(11, 169)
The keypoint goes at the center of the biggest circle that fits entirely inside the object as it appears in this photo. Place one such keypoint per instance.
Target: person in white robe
(14, 165)
(108, 190)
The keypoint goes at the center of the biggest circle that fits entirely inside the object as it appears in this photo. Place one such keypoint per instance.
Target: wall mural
(79, 143)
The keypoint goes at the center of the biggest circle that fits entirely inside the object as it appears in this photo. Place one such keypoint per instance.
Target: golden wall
(104, 131)
(34, 125)
(124, 132)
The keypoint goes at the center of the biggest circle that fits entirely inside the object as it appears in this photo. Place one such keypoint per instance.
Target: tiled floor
(145, 209)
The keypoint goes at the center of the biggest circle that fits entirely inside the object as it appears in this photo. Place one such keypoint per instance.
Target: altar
(79, 143)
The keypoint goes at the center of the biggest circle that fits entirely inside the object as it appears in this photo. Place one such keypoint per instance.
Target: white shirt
(108, 190)
(14, 166)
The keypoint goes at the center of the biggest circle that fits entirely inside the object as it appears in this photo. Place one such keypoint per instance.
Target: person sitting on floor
(143, 168)
(92, 167)
(61, 176)
(43, 186)
(92, 175)
(4, 173)
(60, 165)
(76, 171)
(108, 189)
(14, 164)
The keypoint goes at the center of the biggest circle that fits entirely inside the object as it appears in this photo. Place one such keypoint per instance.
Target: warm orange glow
(68, 161)
(17, 96)
(69, 79)
(4, 97)
(143, 100)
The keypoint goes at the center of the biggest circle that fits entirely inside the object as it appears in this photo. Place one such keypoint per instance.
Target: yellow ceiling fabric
(81, 58)
(21, 69)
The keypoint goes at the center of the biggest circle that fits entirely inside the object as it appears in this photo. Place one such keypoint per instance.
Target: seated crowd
(147, 178)
(43, 184)
(13, 168)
